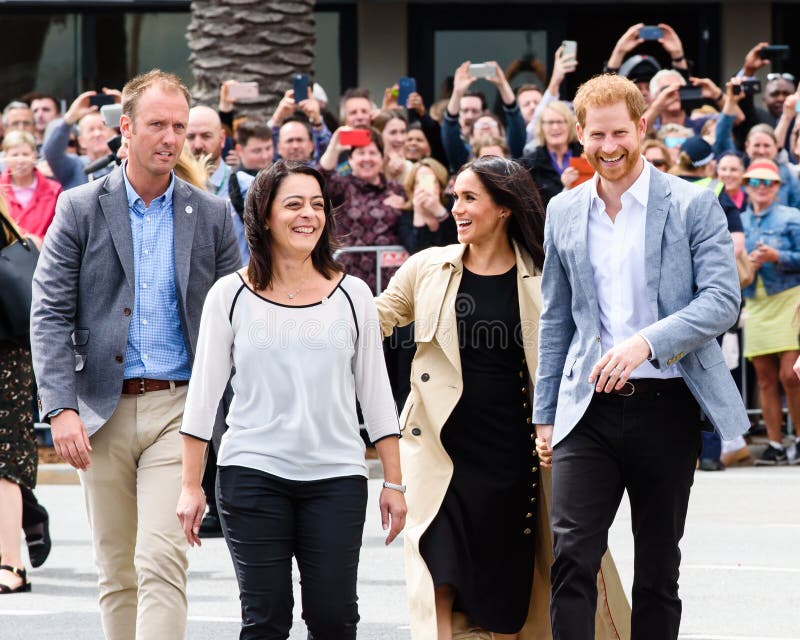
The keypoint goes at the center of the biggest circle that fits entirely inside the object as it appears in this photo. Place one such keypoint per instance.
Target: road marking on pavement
(10, 612)
(705, 636)
(739, 567)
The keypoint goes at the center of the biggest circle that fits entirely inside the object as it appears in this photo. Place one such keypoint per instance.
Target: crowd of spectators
(392, 185)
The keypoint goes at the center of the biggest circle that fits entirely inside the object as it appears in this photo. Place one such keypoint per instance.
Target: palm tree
(265, 41)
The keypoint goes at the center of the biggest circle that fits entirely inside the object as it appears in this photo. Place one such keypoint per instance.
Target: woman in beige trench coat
(424, 291)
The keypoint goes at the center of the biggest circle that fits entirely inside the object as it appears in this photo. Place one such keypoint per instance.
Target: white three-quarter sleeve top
(298, 371)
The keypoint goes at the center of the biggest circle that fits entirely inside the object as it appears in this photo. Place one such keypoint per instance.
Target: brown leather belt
(140, 386)
(638, 386)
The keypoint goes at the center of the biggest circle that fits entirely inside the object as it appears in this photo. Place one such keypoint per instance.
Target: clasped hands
(610, 373)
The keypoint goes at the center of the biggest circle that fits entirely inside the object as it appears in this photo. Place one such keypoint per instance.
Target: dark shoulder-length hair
(510, 185)
(257, 207)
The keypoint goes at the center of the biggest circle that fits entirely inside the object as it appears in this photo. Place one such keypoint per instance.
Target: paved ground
(740, 578)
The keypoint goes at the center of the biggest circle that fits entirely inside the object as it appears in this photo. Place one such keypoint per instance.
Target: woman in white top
(304, 341)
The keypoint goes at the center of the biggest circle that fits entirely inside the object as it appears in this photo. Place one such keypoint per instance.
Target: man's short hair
(477, 94)
(664, 73)
(135, 87)
(528, 87)
(355, 92)
(38, 95)
(252, 129)
(14, 104)
(302, 120)
(605, 90)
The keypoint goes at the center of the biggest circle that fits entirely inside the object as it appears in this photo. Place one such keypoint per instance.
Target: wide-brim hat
(763, 169)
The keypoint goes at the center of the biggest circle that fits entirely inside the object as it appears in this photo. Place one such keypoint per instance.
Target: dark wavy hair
(510, 185)
(257, 208)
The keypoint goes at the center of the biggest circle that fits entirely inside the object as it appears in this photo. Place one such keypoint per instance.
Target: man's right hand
(79, 108)
(70, 439)
(544, 436)
(753, 60)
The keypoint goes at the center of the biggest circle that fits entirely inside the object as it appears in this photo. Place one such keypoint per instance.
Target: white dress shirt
(617, 254)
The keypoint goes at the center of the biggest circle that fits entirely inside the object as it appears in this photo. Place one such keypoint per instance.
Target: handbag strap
(14, 231)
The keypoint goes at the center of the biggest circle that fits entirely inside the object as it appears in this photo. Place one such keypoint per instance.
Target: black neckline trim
(292, 306)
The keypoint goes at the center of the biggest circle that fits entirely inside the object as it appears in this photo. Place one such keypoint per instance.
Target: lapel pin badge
(188, 208)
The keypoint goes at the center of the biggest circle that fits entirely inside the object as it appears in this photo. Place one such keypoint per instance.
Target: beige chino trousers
(131, 491)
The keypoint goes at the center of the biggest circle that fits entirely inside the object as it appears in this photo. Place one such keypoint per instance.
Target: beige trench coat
(424, 291)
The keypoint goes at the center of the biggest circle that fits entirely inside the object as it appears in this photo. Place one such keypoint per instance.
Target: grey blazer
(83, 289)
(692, 287)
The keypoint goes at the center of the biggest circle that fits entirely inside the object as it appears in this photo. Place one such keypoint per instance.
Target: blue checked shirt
(156, 348)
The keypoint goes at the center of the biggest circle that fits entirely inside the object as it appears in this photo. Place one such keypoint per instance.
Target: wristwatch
(55, 412)
(397, 487)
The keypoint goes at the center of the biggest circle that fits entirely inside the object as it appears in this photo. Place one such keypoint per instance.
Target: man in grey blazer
(639, 278)
(117, 298)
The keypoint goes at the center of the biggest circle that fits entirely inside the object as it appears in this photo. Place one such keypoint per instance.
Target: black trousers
(648, 445)
(266, 520)
(33, 513)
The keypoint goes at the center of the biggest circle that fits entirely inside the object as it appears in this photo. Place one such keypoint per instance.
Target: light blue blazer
(692, 288)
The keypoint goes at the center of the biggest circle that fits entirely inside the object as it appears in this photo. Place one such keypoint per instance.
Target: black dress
(481, 541)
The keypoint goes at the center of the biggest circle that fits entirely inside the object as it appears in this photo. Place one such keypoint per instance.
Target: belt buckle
(627, 395)
(141, 387)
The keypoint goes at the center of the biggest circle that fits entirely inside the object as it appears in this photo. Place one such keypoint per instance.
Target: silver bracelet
(397, 487)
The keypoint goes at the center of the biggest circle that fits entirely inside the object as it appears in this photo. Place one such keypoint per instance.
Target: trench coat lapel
(447, 328)
(184, 220)
(529, 284)
(114, 205)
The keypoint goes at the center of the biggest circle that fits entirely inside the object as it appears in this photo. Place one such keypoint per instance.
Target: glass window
(453, 47)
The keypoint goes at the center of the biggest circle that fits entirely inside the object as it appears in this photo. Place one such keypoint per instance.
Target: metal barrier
(386, 256)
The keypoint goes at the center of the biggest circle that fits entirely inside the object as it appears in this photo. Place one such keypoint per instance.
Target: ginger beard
(612, 142)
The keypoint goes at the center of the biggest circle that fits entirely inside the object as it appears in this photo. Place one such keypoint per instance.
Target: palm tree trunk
(264, 41)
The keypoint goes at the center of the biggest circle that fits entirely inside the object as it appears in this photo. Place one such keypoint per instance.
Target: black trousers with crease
(648, 445)
(267, 520)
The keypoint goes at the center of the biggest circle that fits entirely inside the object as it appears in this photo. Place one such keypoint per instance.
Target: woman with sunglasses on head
(557, 139)
(305, 343)
(772, 233)
(478, 544)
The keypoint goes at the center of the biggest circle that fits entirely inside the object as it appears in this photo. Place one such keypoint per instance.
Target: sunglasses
(757, 182)
(783, 76)
(657, 162)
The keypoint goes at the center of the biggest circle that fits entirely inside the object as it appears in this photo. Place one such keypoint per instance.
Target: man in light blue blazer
(639, 279)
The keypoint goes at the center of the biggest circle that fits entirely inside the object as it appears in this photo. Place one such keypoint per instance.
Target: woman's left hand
(393, 512)
(190, 510)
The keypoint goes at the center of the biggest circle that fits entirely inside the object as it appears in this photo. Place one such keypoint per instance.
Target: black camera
(747, 87)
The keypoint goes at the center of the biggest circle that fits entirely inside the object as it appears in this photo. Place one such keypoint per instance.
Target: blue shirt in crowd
(156, 346)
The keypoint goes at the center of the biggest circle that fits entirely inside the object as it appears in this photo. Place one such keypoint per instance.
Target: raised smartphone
(355, 138)
(100, 99)
(405, 87)
(243, 90)
(775, 52)
(300, 83)
(481, 70)
(651, 33)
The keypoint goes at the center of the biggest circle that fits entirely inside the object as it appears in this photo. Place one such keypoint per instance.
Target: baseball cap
(639, 68)
(698, 150)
